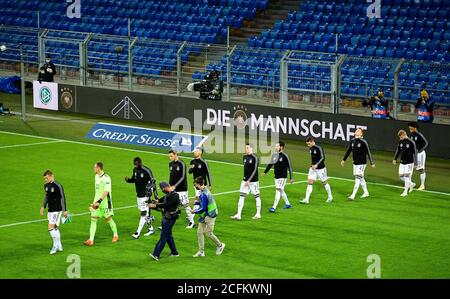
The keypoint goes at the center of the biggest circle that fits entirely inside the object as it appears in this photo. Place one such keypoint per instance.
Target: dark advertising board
(289, 123)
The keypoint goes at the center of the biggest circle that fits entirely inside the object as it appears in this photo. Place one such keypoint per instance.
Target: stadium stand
(416, 30)
(195, 21)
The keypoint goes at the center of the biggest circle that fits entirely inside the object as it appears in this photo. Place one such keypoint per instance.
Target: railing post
(41, 47)
(130, 62)
(337, 82)
(284, 81)
(84, 59)
(396, 73)
(179, 52)
(229, 54)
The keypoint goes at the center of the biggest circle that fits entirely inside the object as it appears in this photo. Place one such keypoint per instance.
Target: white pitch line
(30, 144)
(134, 206)
(213, 161)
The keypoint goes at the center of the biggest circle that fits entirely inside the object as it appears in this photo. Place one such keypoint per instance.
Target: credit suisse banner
(45, 95)
(181, 142)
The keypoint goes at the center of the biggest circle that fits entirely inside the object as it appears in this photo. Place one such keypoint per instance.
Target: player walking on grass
(250, 183)
(142, 177)
(199, 168)
(102, 206)
(281, 164)
(178, 182)
(317, 169)
(407, 151)
(360, 149)
(208, 212)
(421, 144)
(55, 199)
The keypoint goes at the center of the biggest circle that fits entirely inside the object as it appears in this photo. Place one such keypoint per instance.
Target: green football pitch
(410, 235)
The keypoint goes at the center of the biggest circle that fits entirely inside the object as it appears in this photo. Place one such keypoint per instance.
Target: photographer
(211, 88)
(169, 206)
(47, 71)
(425, 108)
(379, 106)
(4, 110)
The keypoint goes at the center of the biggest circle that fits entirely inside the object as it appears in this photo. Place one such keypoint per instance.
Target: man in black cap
(169, 205)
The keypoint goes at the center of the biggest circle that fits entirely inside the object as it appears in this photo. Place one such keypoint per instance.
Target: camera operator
(379, 106)
(47, 71)
(169, 206)
(425, 108)
(211, 88)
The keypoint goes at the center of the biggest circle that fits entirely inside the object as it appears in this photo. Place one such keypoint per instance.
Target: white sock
(309, 189)
(364, 185)
(189, 214)
(53, 235)
(407, 183)
(240, 206)
(328, 188)
(277, 198)
(422, 178)
(358, 182)
(141, 224)
(285, 198)
(258, 204)
(58, 238)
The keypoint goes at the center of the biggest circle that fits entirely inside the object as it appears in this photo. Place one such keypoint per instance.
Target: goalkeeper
(102, 205)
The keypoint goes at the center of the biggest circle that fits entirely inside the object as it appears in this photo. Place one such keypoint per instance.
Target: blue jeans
(166, 237)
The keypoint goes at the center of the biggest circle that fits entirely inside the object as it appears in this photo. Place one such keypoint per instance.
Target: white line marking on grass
(133, 206)
(30, 144)
(214, 161)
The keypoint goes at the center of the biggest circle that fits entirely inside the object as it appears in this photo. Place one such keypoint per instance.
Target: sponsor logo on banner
(182, 142)
(128, 107)
(242, 118)
(66, 99)
(45, 95)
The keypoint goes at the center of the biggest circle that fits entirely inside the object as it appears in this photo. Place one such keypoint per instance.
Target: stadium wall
(289, 123)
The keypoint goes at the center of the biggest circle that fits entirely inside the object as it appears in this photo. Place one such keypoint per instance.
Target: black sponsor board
(289, 123)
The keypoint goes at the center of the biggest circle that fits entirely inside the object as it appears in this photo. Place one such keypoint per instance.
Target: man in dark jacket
(169, 205)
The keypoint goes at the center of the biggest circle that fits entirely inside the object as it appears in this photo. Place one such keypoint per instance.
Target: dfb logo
(74, 9)
(374, 9)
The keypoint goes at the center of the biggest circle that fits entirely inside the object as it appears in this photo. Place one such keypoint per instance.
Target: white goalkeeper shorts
(406, 169)
(313, 174)
(421, 158)
(359, 170)
(184, 198)
(54, 218)
(253, 188)
(142, 204)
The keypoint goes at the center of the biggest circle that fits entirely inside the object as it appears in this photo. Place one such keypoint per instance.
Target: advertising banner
(289, 123)
(146, 137)
(45, 95)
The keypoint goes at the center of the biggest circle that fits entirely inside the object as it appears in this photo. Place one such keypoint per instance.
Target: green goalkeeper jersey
(102, 184)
